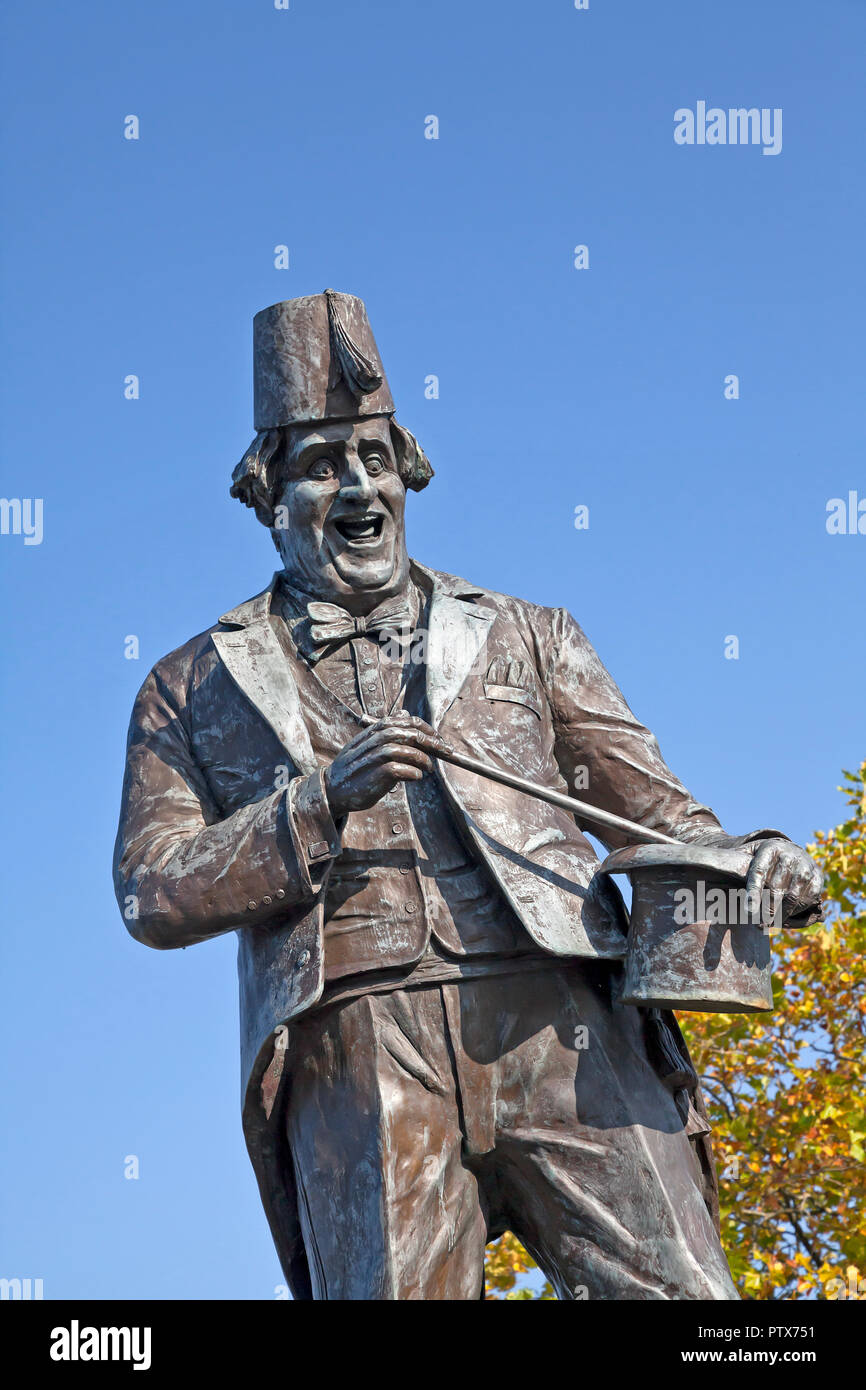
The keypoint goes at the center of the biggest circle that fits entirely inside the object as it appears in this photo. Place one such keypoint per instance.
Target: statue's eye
(374, 463)
(321, 468)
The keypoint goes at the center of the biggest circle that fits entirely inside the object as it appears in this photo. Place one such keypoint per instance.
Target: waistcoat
(405, 874)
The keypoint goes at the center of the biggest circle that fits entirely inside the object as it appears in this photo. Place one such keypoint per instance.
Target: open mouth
(360, 528)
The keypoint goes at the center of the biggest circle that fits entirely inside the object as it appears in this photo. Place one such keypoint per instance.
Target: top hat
(695, 942)
(315, 358)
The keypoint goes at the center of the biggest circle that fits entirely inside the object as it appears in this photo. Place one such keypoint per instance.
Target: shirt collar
(291, 603)
(425, 581)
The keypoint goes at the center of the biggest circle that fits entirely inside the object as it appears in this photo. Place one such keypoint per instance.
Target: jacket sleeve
(182, 873)
(607, 756)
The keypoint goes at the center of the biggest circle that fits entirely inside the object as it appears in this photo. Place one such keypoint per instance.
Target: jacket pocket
(515, 694)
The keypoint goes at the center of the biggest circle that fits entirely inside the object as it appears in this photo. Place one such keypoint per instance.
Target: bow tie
(328, 625)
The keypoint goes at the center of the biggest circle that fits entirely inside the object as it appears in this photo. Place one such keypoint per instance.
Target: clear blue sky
(558, 387)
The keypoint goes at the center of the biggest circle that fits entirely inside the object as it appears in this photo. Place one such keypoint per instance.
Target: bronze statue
(435, 1045)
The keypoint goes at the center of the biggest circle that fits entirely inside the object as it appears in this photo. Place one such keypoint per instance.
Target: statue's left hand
(781, 867)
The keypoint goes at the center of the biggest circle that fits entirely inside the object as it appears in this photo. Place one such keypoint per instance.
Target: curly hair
(257, 479)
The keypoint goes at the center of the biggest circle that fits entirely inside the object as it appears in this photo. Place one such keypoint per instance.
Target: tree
(785, 1095)
(506, 1262)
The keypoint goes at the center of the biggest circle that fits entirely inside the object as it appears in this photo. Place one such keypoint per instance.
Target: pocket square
(505, 671)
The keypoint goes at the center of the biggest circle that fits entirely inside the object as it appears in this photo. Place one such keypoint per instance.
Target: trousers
(423, 1122)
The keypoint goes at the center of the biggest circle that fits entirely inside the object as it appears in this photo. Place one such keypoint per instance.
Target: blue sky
(559, 387)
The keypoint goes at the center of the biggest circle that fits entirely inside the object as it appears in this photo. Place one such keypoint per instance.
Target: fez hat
(315, 358)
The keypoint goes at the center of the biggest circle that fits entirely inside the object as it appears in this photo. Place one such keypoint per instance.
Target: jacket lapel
(456, 638)
(260, 668)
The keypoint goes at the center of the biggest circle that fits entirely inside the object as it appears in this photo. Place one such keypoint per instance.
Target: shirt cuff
(315, 837)
(716, 838)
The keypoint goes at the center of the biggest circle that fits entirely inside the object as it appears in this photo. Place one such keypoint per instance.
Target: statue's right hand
(398, 749)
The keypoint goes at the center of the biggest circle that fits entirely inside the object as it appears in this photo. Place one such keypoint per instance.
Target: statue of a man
(433, 1044)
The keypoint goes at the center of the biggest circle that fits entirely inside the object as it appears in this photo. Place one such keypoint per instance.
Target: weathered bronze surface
(712, 956)
(435, 1043)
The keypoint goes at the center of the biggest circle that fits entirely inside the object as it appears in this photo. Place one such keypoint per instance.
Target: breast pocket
(511, 681)
(515, 694)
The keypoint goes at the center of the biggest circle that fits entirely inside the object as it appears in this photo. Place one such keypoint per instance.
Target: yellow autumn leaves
(786, 1094)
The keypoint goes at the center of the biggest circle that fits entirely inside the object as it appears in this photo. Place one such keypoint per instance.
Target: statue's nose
(357, 485)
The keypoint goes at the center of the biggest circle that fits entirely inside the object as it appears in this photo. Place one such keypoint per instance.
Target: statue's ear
(253, 480)
(413, 464)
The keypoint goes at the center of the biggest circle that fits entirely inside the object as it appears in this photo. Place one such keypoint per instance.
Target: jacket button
(303, 958)
(397, 828)
(281, 892)
(406, 868)
(251, 907)
(411, 907)
(266, 902)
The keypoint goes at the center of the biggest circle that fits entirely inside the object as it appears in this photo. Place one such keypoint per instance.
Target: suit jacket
(224, 823)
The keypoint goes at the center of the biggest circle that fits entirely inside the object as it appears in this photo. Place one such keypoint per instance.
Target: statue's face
(341, 534)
